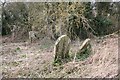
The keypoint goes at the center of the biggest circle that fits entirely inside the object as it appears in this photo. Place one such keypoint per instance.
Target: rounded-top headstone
(61, 48)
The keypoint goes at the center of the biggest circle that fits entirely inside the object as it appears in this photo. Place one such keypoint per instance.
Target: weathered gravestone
(61, 49)
(13, 32)
(33, 35)
(84, 50)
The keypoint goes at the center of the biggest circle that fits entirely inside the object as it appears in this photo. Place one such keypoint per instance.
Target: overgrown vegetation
(76, 19)
(84, 54)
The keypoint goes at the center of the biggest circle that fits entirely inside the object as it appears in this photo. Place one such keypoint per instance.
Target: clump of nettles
(84, 54)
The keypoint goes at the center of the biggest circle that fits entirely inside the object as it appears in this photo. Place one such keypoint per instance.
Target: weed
(24, 56)
(57, 62)
(84, 54)
(15, 63)
(17, 48)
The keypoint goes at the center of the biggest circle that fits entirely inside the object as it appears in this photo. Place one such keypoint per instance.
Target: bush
(102, 25)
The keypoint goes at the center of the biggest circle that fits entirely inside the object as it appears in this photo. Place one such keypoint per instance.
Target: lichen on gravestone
(61, 49)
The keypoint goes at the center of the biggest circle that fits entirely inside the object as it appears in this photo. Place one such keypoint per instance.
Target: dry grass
(35, 60)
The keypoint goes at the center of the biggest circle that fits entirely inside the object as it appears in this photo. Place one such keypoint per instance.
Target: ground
(25, 60)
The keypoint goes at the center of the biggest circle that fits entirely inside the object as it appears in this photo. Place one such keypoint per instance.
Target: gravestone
(13, 32)
(84, 50)
(33, 35)
(61, 49)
